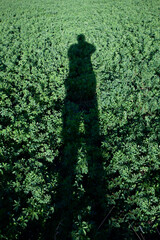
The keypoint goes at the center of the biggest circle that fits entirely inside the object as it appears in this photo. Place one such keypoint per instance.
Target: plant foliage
(112, 154)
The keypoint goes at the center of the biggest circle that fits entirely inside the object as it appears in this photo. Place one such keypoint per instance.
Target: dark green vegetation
(79, 120)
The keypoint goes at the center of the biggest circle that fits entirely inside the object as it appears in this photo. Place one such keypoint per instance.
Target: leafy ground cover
(79, 119)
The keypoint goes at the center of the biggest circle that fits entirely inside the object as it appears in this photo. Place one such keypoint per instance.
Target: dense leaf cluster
(67, 166)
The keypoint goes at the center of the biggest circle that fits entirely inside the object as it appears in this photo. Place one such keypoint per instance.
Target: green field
(79, 119)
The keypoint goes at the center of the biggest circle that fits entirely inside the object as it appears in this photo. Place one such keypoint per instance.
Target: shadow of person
(81, 105)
